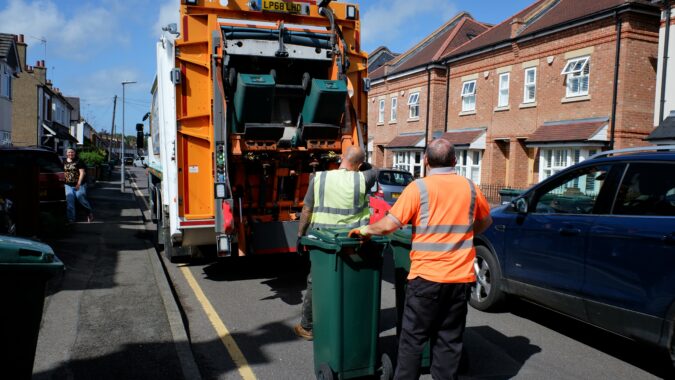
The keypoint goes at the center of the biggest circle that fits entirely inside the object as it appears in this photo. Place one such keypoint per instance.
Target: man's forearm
(305, 216)
(384, 226)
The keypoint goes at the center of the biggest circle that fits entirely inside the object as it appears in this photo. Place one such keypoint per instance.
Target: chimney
(516, 25)
(21, 48)
(40, 72)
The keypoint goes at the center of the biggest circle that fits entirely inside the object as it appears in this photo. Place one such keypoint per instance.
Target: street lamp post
(124, 83)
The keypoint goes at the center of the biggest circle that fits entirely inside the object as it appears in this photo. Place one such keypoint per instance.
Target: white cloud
(168, 13)
(388, 22)
(80, 36)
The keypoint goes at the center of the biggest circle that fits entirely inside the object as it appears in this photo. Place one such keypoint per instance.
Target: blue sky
(93, 45)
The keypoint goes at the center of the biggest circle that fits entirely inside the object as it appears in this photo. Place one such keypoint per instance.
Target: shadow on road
(647, 358)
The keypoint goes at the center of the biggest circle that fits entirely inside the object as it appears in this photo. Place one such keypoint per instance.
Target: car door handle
(569, 231)
(669, 239)
(500, 227)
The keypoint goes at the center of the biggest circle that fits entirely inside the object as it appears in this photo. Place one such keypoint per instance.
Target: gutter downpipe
(426, 128)
(447, 96)
(664, 73)
(616, 80)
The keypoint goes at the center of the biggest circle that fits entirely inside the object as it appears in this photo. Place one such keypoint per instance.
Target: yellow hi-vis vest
(340, 200)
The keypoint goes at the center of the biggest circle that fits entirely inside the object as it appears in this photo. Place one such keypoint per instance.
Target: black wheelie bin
(25, 267)
(399, 246)
(346, 283)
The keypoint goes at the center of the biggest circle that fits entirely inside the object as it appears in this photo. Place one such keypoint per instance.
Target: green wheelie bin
(399, 247)
(346, 275)
(25, 267)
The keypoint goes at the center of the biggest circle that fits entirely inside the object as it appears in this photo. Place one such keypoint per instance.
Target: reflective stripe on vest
(425, 228)
(344, 205)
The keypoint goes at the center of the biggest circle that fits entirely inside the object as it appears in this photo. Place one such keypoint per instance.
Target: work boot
(302, 333)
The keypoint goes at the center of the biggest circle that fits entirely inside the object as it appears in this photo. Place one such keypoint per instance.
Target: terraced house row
(523, 99)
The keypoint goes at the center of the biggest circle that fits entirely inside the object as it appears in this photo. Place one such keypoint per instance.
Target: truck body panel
(247, 103)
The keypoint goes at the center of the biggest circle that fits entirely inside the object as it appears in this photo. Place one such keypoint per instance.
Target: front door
(546, 248)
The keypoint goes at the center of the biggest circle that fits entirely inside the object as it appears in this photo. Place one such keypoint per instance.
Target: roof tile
(566, 132)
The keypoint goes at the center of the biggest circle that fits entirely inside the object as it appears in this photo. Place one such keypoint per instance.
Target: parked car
(128, 161)
(390, 184)
(140, 162)
(595, 241)
(31, 174)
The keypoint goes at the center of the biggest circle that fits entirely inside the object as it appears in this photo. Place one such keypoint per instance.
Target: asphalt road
(257, 300)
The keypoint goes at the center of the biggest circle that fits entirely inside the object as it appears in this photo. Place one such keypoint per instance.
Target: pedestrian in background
(76, 188)
(445, 210)
(335, 198)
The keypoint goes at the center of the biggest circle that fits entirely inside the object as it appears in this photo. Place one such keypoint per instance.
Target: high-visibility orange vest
(441, 208)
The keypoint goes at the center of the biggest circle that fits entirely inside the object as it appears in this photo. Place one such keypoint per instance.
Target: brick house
(9, 69)
(664, 101)
(545, 88)
(41, 113)
(406, 104)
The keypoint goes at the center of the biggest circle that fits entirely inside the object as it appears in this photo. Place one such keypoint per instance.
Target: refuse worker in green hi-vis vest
(335, 198)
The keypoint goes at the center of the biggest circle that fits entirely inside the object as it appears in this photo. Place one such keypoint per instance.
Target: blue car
(595, 241)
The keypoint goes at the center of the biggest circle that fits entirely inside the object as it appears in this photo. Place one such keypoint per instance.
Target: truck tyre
(486, 293)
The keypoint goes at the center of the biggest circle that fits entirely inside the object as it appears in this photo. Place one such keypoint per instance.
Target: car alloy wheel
(486, 292)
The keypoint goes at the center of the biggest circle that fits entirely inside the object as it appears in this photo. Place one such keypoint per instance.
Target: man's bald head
(440, 153)
(353, 157)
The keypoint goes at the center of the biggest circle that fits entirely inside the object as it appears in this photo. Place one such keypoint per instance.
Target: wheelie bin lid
(18, 254)
(335, 239)
(507, 191)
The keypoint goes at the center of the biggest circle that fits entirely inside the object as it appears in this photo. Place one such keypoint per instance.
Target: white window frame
(530, 85)
(409, 160)
(469, 96)
(503, 96)
(577, 71)
(380, 112)
(553, 160)
(469, 162)
(394, 106)
(414, 105)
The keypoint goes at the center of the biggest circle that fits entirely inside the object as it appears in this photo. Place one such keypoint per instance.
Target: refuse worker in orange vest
(445, 210)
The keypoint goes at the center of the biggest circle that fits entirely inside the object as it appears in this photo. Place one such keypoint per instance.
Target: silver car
(390, 184)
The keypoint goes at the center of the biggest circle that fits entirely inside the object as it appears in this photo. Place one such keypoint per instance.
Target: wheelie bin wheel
(387, 369)
(324, 372)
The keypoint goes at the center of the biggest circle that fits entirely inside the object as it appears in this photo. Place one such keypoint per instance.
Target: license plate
(282, 6)
(395, 195)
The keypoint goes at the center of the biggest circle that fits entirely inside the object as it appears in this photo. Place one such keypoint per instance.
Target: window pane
(647, 189)
(566, 197)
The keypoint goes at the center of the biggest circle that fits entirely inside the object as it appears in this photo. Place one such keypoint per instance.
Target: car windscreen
(392, 178)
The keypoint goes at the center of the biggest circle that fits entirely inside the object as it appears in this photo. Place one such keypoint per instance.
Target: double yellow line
(222, 331)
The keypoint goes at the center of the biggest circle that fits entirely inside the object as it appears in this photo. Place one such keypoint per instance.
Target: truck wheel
(324, 372)
(486, 293)
(169, 250)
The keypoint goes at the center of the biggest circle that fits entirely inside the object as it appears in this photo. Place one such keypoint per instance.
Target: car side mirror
(520, 205)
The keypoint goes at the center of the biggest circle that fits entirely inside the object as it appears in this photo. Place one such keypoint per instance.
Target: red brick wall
(383, 133)
(511, 165)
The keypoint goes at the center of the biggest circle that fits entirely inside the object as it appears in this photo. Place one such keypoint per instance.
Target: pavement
(112, 313)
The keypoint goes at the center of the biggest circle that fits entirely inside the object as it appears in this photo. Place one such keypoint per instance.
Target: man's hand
(299, 248)
(359, 233)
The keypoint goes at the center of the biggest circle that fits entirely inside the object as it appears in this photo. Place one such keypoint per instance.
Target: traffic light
(139, 136)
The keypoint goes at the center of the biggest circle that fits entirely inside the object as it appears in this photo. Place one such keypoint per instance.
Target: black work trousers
(436, 312)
